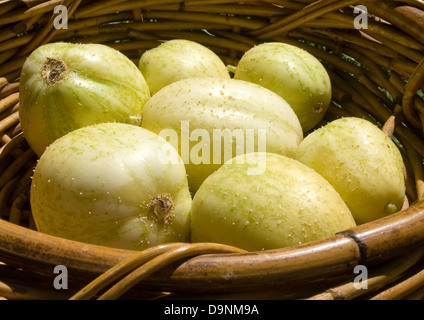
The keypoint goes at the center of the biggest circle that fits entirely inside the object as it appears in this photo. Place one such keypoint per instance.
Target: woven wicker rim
(187, 267)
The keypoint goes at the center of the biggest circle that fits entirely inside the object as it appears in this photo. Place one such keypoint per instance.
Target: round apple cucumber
(178, 59)
(103, 184)
(66, 86)
(362, 164)
(294, 74)
(211, 120)
(289, 204)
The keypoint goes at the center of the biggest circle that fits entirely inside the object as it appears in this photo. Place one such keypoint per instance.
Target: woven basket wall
(377, 73)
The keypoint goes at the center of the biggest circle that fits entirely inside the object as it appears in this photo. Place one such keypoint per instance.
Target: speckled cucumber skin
(179, 59)
(210, 104)
(294, 74)
(289, 204)
(361, 162)
(94, 84)
(97, 185)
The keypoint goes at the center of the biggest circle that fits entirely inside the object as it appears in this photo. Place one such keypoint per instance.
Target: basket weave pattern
(377, 73)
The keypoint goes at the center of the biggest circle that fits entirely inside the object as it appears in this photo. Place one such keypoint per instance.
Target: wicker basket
(377, 73)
